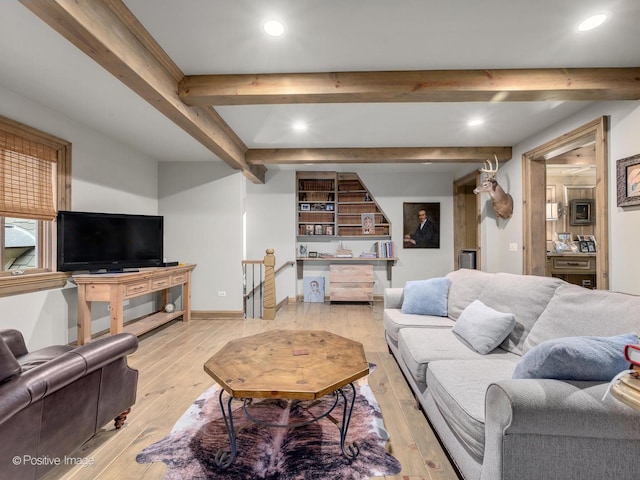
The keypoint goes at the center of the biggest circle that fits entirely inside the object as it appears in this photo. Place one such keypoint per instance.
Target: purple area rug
(268, 453)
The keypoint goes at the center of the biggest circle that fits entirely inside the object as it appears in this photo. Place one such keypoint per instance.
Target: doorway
(466, 219)
(535, 194)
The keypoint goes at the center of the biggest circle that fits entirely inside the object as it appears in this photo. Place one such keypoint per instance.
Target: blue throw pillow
(576, 358)
(426, 297)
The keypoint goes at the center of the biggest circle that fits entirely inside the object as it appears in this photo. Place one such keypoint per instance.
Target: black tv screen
(108, 241)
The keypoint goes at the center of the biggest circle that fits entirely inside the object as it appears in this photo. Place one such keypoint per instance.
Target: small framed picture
(564, 237)
(591, 246)
(309, 229)
(318, 230)
(330, 207)
(368, 223)
(581, 212)
(328, 230)
(302, 250)
(313, 254)
(584, 248)
(305, 207)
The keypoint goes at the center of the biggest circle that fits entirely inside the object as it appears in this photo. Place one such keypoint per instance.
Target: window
(34, 184)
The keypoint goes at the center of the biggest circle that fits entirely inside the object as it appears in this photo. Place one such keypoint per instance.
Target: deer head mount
(502, 201)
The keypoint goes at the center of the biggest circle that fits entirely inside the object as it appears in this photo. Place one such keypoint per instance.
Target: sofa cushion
(9, 366)
(393, 320)
(426, 297)
(576, 358)
(419, 346)
(526, 296)
(482, 327)
(466, 286)
(576, 311)
(458, 388)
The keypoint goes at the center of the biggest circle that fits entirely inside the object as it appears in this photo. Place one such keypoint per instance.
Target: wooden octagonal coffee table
(296, 365)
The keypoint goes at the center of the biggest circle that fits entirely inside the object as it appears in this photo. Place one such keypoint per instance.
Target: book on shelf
(368, 255)
(384, 249)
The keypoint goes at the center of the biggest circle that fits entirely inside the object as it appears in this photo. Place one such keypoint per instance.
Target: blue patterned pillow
(576, 358)
(426, 297)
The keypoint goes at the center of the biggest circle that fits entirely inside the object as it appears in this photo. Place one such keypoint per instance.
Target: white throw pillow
(483, 327)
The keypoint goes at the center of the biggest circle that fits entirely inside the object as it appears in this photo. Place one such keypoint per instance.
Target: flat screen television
(108, 242)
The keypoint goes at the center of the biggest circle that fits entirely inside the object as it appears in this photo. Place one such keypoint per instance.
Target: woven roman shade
(27, 179)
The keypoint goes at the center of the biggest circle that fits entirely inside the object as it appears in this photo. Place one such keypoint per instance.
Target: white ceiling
(225, 36)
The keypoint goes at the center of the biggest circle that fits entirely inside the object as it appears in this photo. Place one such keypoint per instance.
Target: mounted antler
(490, 171)
(502, 201)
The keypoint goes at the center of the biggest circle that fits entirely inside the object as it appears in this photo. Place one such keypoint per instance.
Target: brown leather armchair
(54, 399)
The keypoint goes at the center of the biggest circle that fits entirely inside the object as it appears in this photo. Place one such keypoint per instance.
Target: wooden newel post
(269, 285)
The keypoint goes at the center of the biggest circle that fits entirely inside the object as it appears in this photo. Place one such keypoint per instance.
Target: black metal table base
(224, 458)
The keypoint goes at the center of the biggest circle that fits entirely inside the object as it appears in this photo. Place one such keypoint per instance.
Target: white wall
(106, 176)
(271, 215)
(202, 204)
(624, 224)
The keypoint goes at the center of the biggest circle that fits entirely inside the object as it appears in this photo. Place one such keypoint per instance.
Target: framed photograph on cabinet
(309, 229)
(628, 181)
(584, 248)
(318, 230)
(305, 207)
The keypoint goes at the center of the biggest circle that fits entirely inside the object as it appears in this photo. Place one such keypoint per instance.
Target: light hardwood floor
(170, 361)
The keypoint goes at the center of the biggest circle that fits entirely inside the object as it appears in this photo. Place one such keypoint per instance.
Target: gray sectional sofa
(497, 427)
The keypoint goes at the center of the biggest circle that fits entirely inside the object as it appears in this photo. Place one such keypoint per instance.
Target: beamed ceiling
(204, 103)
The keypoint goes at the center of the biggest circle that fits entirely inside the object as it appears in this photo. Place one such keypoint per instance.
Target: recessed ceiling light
(299, 126)
(592, 22)
(475, 122)
(275, 28)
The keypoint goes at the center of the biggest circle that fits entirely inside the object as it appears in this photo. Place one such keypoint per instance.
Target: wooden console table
(117, 287)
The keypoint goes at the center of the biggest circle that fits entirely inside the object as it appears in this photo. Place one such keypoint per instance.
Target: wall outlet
(513, 247)
(222, 293)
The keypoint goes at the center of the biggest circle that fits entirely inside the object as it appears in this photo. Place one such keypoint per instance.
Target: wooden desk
(117, 287)
(577, 268)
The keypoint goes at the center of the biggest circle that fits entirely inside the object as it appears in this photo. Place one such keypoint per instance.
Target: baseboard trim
(216, 314)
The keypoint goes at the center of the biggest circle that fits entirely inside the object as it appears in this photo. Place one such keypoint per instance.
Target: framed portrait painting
(421, 225)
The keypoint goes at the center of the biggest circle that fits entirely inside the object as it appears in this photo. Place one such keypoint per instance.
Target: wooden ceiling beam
(293, 156)
(517, 85)
(112, 36)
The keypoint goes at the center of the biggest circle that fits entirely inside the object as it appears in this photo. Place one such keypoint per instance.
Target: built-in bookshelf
(355, 205)
(316, 206)
(331, 204)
